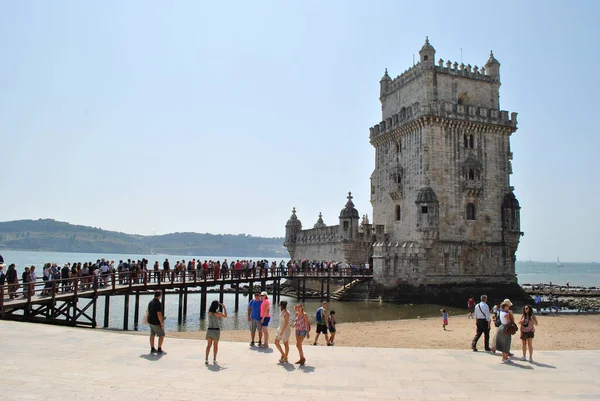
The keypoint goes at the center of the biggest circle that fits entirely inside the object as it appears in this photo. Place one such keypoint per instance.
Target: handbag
(511, 328)
(527, 326)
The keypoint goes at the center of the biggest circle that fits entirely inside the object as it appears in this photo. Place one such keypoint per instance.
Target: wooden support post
(304, 289)
(136, 314)
(237, 297)
(322, 290)
(221, 292)
(94, 300)
(185, 296)
(298, 288)
(263, 285)
(106, 310)
(53, 301)
(164, 301)
(202, 301)
(126, 312)
(328, 287)
(251, 291)
(180, 307)
(114, 281)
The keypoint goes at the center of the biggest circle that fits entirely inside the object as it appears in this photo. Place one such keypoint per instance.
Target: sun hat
(264, 293)
(507, 302)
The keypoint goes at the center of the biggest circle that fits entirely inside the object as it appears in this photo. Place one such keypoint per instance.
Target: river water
(576, 274)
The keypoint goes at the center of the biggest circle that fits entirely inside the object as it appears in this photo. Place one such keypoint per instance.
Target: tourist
(444, 318)
(265, 317)
(216, 312)
(283, 332)
(538, 301)
(496, 311)
(12, 280)
(482, 324)
(156, 323)
(331, 326)
(64, 276)
(26, 279)
(503, 339)
(33, 279)
(528, 322)
(471, 306)
(555, 304)
(321, 319)
(166, 269)
(156, 270)
(254, 318)
(302, 326)
(2, 274)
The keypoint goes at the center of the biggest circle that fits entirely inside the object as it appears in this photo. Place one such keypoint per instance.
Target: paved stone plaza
(43, 362)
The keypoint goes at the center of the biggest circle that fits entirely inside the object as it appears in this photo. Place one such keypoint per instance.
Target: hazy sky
(153, 116)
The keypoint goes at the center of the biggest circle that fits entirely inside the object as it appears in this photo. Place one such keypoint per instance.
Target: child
(331, 326)
(444, 318)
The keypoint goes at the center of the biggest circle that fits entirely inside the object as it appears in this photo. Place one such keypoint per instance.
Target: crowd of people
(505, 322)
(132, 271)
(259, 318)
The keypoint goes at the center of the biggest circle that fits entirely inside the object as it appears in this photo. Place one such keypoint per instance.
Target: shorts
(255, 325)
(283, 335)
(445, 321)
(213, 334)
(321, 328)
(525, 336)
(301, 333)
(265, 322)
(156, 330)
(471, 309)
(331, 329)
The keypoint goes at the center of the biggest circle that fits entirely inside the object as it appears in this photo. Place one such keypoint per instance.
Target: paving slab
(44, 362)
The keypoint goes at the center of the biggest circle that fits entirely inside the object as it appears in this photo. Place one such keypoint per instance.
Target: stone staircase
(347, 290)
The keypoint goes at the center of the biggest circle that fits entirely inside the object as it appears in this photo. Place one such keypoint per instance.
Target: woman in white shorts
(283, 332)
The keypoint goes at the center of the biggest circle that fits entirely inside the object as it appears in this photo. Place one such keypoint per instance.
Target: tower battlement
(448, 110)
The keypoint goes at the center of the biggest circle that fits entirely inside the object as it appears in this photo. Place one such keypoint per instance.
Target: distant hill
(57, 236)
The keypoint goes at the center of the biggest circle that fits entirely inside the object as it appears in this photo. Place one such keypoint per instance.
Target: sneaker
(474, 349)
(153, 350)
(259, 343)
(252, 344)
(530, 359)
(523, 358)
(329, 344)
(206, 361)
(488, 349)
(160, 352)
(314, 343)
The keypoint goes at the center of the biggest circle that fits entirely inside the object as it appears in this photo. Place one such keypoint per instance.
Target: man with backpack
(321, 320)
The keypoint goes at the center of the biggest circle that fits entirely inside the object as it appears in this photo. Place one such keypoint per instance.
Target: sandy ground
(563, 332)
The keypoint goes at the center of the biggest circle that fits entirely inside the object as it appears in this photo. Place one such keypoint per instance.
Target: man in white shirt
(482, 324)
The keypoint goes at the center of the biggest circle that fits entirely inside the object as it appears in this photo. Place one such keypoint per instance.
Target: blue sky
(147, 117)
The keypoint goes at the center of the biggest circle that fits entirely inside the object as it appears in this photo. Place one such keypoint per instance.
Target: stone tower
(444, 211)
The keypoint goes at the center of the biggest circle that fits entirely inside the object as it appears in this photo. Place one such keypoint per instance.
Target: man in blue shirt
(254, 318)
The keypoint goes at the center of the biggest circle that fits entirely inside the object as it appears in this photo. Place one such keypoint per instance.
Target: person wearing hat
(503, 339)
(265, 317)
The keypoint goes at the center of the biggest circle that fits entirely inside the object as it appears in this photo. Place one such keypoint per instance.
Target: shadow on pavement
(215, 367)
(516, 365)
(151, 357)
(265, 350)
(542, 365)
(288, 366)
(306, 368)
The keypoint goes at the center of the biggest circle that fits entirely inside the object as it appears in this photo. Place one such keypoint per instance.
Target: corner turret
(427, 54)
(492, 67)
(292, 228)
(384, 84)
(320, 223)
(349, 219)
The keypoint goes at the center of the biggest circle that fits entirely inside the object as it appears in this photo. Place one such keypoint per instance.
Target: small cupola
(384, 84)
(427, 54)
(492, 67)
(320, 223)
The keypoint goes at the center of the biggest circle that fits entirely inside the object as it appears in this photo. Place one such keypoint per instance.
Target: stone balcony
(473, 187)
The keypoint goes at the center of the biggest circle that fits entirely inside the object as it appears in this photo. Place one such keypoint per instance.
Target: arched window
(470, 211)
(471, 175)
(398, 213)
(466, 140)
(471, 142)
(398, 179)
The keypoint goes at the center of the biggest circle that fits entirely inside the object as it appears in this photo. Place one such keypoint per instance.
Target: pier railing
(53, 299)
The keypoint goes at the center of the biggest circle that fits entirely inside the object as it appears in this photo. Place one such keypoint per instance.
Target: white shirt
(482, 311)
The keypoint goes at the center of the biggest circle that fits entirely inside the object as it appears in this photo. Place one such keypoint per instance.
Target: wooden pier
(59, 301)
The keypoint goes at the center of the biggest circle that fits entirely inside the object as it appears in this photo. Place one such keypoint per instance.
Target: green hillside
(51, 235)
